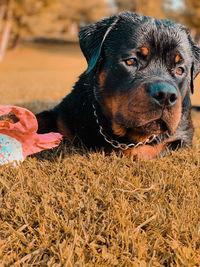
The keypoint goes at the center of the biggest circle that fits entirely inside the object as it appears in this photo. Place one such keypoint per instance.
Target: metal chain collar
(117, 144)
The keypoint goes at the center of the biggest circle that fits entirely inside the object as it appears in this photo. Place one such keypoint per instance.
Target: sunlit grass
(72, 207)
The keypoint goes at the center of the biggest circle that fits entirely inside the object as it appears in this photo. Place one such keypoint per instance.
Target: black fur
(106, 44)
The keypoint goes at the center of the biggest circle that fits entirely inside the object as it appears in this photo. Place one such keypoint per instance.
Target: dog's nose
(163, 94)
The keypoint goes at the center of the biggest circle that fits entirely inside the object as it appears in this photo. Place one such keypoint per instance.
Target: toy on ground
(18, 135)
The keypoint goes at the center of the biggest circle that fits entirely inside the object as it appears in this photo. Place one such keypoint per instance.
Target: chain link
(117, 144)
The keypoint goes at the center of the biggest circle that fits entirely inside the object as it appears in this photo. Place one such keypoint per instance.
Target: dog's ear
(92, 37)
(196, 62)
(195, 68)
(192, 79)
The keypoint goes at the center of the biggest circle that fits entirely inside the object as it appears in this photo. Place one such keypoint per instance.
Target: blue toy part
(10, 150)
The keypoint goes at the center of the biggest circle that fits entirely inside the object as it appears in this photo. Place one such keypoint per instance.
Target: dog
(134, 96)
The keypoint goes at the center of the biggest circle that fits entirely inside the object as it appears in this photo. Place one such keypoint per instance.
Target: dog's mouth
(155, 126)
(137, 118)
(139, 133)
(134, 136)
(145, 125)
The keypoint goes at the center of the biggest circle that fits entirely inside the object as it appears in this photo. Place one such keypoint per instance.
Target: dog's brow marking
(177, 58)
(144, 50)
(102, 77)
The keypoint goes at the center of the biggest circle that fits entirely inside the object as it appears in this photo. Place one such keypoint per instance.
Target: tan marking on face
(173, 117)
(102, 78)
(177, 58)
(137, 110)
(118, 129)
(134, 104)
(64, 130)
(144, 50)
(119, 104)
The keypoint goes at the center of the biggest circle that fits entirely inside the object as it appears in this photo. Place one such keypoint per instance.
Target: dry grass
(72, 207)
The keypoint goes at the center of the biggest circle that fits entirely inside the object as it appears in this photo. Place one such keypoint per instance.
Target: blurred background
(40, 58)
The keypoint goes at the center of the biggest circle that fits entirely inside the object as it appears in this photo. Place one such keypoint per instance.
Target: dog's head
(144, 68)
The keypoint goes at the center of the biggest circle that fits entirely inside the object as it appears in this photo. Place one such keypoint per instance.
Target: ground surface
(73, 207)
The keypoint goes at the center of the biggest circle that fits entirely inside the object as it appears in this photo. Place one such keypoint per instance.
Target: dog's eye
(131, 61)
(179, 70)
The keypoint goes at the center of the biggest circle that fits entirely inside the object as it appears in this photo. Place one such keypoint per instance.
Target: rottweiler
(135, 93)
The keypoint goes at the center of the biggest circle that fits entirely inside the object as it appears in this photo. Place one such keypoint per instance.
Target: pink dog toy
(20, 139)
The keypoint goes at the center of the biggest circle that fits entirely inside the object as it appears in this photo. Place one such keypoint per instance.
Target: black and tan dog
(135, 94)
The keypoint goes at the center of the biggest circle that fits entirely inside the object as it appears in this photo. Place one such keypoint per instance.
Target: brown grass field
(72, 207)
